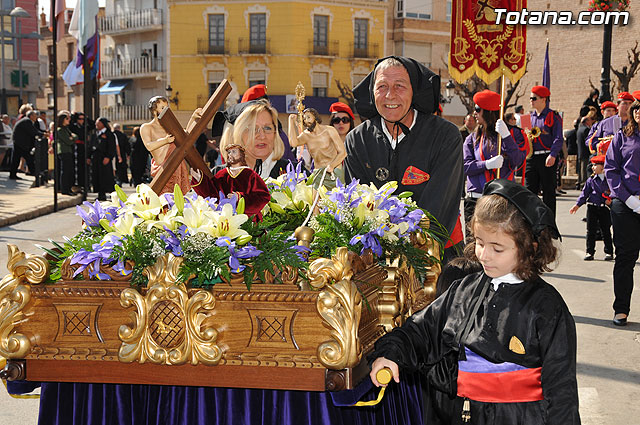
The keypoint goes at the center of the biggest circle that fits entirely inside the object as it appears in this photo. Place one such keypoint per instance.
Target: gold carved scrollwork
(14, 296)
(340, 306)
(167, 322)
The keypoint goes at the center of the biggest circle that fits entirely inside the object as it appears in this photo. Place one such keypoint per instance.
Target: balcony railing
(248, 47)
(205, 47)
(124, 113)
(136, 20)
(131, 68)
(331, 49)
(370, 51)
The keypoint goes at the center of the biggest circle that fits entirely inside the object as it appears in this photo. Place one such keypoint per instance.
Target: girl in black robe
(499, 347)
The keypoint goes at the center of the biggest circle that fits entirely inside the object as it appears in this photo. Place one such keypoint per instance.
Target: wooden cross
(184, 141)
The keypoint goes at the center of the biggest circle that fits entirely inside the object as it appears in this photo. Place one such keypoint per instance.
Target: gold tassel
(466, 410)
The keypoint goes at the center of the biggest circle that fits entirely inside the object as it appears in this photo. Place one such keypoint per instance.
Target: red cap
(598, 159)
(254, 92)
(608, 104)
(625, 95)
(341, 107)
(636, 94)
(440, 107)
(541, 91)
(487, 100)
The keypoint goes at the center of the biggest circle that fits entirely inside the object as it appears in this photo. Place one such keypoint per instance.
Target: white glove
(196, 174)
(495, 162)
(633, 202)
(502, 129)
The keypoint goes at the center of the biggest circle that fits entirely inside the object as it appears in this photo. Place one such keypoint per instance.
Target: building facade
(20, 54)
(276, 43)
(575, 55)
(133, 65)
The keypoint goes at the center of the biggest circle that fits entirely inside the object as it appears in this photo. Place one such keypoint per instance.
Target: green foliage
(330, 235)
(278, 251)
(83, 240)
(143, 248)
(203, 261)
(291, 219)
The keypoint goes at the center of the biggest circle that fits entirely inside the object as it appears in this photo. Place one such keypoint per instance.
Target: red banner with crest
(480, 45)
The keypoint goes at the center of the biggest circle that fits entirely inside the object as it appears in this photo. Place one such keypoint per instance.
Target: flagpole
(54, 53)
(501, 115)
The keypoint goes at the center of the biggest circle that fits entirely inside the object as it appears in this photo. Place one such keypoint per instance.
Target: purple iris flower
(169, 198)
(235, 255)
(91, 260)
(119, 267)
(301, 250)
(173, 240)
(369, 240)
(232, 200)
(95, 213)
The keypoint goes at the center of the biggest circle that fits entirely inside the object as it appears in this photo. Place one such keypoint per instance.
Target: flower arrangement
(210, 234)
(216, 239)
(608, 5)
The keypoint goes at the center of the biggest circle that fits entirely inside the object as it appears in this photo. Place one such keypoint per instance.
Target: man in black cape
(403, 140)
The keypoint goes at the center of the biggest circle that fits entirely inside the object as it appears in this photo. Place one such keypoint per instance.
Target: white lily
(145, 203)
(228, 224)
(303, 193)
(198, 217)
(126, 224)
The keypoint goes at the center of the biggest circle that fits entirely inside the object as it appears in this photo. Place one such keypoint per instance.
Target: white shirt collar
(509, 278)
(394, 143)
(101, 131)
(601, 175)
(267, 166)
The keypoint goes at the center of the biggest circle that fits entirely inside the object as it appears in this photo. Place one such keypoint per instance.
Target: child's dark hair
(535, 254)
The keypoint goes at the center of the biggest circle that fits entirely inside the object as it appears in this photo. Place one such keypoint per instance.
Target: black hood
(538, 215)
(425, 85)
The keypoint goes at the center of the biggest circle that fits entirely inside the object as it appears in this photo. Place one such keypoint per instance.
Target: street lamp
(448, 92)
(173, 99)
(17, 12)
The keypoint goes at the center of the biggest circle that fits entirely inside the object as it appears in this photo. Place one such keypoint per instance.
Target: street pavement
(608, 365)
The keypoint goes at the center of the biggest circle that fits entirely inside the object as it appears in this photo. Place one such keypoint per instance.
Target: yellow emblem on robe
(516, 346)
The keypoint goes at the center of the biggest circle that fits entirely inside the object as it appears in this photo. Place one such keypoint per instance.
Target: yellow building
(277, 43)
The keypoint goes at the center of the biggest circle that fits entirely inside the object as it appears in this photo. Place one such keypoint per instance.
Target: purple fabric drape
(92, 404)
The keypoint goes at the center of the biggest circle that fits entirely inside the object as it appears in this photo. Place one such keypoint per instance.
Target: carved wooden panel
(272, 328)
(77, 322)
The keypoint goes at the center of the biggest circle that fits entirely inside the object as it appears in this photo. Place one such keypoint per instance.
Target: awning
(114, 86)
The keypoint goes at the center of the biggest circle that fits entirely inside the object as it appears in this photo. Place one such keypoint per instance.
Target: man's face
(309, 120)
(233, 156)
(6, 120)
(393, 93)
(538, 102)
(470, 122)
(33, 117)
(623, 107)
(609, 112)
(99, 125)
(160, 105)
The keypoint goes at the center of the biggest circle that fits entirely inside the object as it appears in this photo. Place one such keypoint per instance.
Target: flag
(483, 47)
(73, 74)
(59, 8)
(83, 22)
(546, 70)
(93, 55)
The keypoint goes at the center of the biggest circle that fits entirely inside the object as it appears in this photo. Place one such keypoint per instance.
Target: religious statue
(160, 144)
(235, 179)
(324, 144)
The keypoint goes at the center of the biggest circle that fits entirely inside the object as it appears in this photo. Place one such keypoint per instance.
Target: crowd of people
(507, 170)
(109, 156)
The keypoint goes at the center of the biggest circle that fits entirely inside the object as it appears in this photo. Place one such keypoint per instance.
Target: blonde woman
(256, 130)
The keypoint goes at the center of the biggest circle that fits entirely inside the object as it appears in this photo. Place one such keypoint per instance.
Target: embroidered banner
(480, 46)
